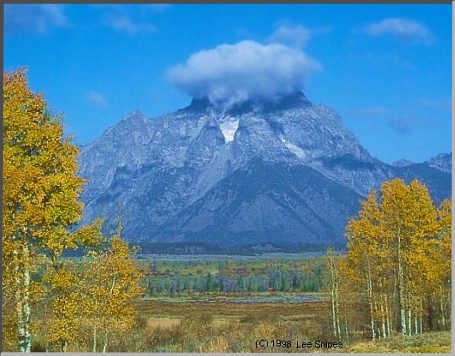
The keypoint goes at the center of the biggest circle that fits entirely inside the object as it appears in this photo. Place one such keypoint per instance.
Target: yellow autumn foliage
(399, 260)
(40, 197)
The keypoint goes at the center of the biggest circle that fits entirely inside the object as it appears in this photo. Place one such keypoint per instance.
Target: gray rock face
(402, 163)
(442, 162)
(282, 172)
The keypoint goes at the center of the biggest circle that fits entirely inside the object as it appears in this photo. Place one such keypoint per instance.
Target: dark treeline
(198, 248)
(230, 276)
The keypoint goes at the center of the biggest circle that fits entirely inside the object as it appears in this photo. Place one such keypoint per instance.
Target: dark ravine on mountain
(261, 175)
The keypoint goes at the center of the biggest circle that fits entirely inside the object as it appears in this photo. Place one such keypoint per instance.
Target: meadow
(292, 314)
(239, 327)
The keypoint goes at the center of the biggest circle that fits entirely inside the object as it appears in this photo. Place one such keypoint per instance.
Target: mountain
(402, 163)
(282, 172)
(442, 162)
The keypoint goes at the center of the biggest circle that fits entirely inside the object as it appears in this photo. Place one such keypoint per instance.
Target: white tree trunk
(334, 295)
(94, 336)
(401, 301)
(389, 326)
(22, 296)
(370, 300)
(409, 319)
(27, 311)
(383, 322)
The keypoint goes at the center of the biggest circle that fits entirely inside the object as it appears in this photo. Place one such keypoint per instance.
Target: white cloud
(230, 74)
(405, 30)
(33, 19)
(297, 35)
(96, 99)
(124, 23)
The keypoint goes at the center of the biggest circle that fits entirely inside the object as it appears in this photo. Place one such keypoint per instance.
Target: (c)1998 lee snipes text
(298, 344)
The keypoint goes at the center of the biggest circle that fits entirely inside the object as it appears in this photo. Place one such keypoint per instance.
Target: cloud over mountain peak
(231, 74)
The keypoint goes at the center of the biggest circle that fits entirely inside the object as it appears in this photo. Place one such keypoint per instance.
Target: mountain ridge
(166, 172)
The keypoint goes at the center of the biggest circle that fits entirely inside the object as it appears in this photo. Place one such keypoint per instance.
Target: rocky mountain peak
(442, 161)
(279, 103)
(135, 115)
(402, 163)
(193, 175)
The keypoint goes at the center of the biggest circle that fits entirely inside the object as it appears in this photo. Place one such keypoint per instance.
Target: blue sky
(386, 69)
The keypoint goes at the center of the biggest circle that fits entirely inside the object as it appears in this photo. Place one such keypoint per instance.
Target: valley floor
(216, 326)
(434, 342)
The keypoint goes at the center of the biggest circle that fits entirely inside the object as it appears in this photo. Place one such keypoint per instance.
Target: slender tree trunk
(19, 310)
(421, 316)
(387, 313)
(337, 309)
(105, 339)
(409, 319)
(370, 299)
(94, 336)
(334, 295)
(401, 301)
(372, 324)
(378, 324)
(46, 323)
(346, 329)
(443, 314)
(22, 296)
(383, 317)
(27, 310)
(334, 323)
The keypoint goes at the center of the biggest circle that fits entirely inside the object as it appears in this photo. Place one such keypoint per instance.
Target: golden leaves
(40, 201)
(41, 187)
(96, 291)
(40, 195)
(399, 251)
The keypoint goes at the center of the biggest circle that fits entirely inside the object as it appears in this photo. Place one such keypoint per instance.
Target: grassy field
(434, 342)
(222, 309)
(238, 327)
(265, 318)
(220, 326)
(172, 326)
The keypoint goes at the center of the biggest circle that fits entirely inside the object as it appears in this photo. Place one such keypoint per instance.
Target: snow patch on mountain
(229, 128)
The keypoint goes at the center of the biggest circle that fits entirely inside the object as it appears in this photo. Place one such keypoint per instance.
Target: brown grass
(167, 326)
(220, 308)
(433, 342)
(162, 322)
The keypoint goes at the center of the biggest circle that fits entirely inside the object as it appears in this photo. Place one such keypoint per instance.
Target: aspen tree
(440, 270)
(399, 254)
(65, 298)
(410, 225)
(40, 193)
(364, 245)
(334, 290)
(112, 283)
